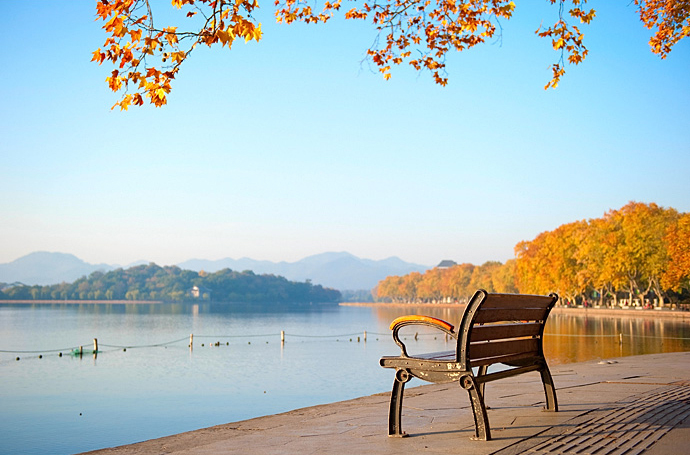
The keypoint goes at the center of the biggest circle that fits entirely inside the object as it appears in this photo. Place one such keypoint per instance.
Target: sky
(295, 146)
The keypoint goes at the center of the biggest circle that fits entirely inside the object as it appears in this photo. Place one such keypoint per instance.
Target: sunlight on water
(146, 382)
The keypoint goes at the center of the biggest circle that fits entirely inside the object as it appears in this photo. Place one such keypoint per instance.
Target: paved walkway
(628, 405)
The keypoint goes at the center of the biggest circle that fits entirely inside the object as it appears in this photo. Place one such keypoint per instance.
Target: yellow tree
(482, 276)
(532, 259)
(459, 277)
(548, 264)
(389, 288)
(408, 286)
(641, 253)
(596, 256)
(429, 285)
(147, 56)
(503, 278)
(563, 268)
(677, 274)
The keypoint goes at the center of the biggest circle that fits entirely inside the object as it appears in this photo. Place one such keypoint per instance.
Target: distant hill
(342, 271)
(46, 268)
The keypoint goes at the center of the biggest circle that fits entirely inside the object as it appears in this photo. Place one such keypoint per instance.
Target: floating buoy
(40, 356)
(17, 358)
(60, 354)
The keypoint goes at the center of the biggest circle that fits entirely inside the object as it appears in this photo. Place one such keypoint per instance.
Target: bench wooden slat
(516, 301)
(502, 331)
(505, 359)
(498, 315)
(448, 356)
(501, 348)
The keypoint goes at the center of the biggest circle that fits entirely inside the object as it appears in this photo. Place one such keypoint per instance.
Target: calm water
(158, 386)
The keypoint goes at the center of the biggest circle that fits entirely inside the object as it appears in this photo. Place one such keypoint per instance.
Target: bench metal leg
(395, 411)
(482, 371)
(549, 389)
(481, 420)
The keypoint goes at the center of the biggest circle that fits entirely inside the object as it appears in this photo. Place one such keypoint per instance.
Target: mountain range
(342, 271)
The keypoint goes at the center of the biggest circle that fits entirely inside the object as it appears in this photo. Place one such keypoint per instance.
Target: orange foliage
(637, 249)
(135, 41)
(670, 18)
(429, 28)
(625, 251)
(677, 274)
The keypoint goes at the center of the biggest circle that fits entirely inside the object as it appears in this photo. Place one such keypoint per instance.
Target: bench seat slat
(448, 356)
(498, 315)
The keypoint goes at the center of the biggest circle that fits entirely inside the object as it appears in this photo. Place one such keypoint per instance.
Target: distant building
(198, 292)
(446, 264)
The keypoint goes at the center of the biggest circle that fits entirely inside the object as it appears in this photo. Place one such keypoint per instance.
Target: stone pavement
(627, 405)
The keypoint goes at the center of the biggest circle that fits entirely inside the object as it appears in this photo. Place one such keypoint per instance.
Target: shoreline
(590, 311)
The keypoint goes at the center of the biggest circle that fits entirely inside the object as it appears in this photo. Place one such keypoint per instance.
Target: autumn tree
(641, 251)
(459, 277)
(532, 259)
(677, 274)
(147, 56)
(482, 276)
(596, 255)
(503, 278)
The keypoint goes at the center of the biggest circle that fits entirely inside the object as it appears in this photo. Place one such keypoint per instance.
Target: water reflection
(581, 337)
(577, 338)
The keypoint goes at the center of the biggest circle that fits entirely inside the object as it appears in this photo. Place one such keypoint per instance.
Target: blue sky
(293, 146)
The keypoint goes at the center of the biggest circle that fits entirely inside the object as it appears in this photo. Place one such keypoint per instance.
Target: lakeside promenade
(631, 405)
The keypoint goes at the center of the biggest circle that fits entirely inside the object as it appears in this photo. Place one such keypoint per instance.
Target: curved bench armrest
(416, 319)
(423, 320)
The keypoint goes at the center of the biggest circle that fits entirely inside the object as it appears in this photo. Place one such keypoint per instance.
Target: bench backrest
(503, 328)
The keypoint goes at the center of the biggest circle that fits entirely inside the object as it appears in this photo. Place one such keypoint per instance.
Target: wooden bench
(502, 329)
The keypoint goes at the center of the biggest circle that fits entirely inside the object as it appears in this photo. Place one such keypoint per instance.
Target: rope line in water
(46, 350)
(325, 336)
(186, 339)
(235, 336)
(144, 345)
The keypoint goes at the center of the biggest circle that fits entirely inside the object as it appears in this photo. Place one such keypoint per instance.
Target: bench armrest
(422, 320)
(415, 319)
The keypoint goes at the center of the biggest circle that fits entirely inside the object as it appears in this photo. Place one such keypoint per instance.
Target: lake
(146, 382)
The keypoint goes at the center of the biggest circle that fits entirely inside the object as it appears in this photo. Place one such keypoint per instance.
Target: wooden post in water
(95, 345)
(365, 336)
(191, 340)
(282, 336)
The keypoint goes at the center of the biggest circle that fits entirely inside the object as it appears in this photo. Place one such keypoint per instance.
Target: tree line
(640, 252)
(173, 284)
